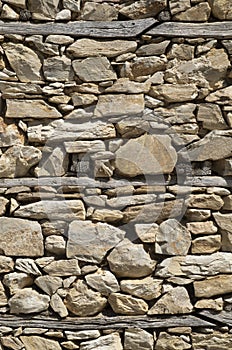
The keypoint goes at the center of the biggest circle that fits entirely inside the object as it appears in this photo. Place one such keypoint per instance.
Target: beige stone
(206, 245)
(172, 342)
(9, 135)
(11, 342)
(153, 49)
(58, 306)
(107, 215)
(43, 9)
(127, 305)
(147, 288)
(223, 166)
(202, 228)
(82, 335)
(221, 9)
(17, 280)
(57, 69)
(212, 304)
(211, 286)
(197, 214)
(198, 13)
(8, 13)
(94, 69)
(3, 204)
(211, 116)
(143, 66)
(227, 203)
(97, 12)
(174, 93)
(63, 268)
(138, 339)
(39, 343)
(3, 296)
(27, 301)
(6, 264)
(177, 6)
(83, 99)
(35, 109)
(127, 86)
(107, 342)
(103, 281)
(224, 221)
(55, 245)
(143, 9)
(147, 232)
(205, 201)
(222, 96)
(49, 284)
(181, 52)
(211, 341)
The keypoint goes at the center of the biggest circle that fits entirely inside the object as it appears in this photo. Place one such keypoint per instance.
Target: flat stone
(10, 135)
(12, 88)
(82, 335)
(27, 266)
(177, 114)
(127, 86)
(147, 232)
(130, 260)
(211, 116)
(211, 286)
(58, 306)
(11, 342)
(181, 51)
(107, 342)
(197, 13)
(17, 280)
(167, 341)
(172, 238)
(24, 62)
(222, 96)
(153, 49)
(205, 201)
(55, 245)
(108, 48)
(97, 12)
(197, 215)
(84, 146)
(43, 9)
(38, 44)
(147, 288)
(27, 301)
(49, 284)
(212, 340)
(94, 69)
(39, 343)
(62, 268)
(103, 281)
(174, 93)
(127, 305)
(143, 9)
(35, 109)
(212, 304)
(138, 339)
(221, 9)
(20, 237)
(83, 301)
(107, 215)
(202, 228)
(57, 69)
(143, 66)
(175, 301)
(59, 39)
(206, 245)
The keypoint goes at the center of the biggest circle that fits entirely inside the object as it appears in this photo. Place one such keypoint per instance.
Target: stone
(153, 49)
(156, 156)
(94, 69)
(27, 301)
(144, 66)
(53, 164)
(56, 210)
(174, 93)
(27, 266)
(33, 109)
(83, 301)
(181, 52)
(138, 339)
(197, 215)
(223, 167)
(59, 39)
(55, 245)
(72, 5)
(57, 69)
(127, 305)
(20, 237)
(43, 9)
(39, 343)
(3, 296)
(130, 260)
(202, 228)
(18, 160)
(49, 284)
(15, 281)
(206, 245)
(108, 48)
(126, 86)
(212, 304)
(221, 9)
(24, 62)
(38, 44)
(227, 203)
(11, 342)
(83, 99)
(198, 13)
(107, 342)
(84, 146)
(82, 335)
(8, 13)
(12, 88)
(103, 281)
(177, 6)
(10, 135)
(3, 204)
(211, 116)
(211, 286)
(172, 238)
(107, 215)
(62, 268)
(177, 114)
(64, 15)
(143, 8)
(58, 306)
(212, 340)
(147, 288)
(167, 341)
(205, 201)
(222, 96)
(97, 12)
(147, 232)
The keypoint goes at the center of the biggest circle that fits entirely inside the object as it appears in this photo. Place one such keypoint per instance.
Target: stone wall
(115, 180)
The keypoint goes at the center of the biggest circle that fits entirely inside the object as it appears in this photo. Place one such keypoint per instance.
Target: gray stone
(107, 342)
(27, 301)
(127, 305)
(198, 13)
(57, 69)
(174, 92)
(97, 12)
(58, 306)
(33, 109)
(221, 9)
(62, 268)
(10, 135)
(103, 281)
(94, 69)
(211, 341)
(147, 288)
(82, 335)
(172, 342)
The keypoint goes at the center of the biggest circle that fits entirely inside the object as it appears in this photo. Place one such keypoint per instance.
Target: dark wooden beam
(224, 317)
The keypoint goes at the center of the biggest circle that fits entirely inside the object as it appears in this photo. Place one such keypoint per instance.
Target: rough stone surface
(107, 342)
(39, 343)
(138, 339)
(35, 109)
(57, 69)
(215, 339)
(167, 341)
(211, 286)
(43, 9)
(27, 301)
(174, 93)
(103, 281)
(221, 9)
(127, 305)
(94, 69)
(143, 9)
(147, 288)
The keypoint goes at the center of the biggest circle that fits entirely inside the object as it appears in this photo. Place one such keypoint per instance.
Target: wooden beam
(217, 30)
(224, 317)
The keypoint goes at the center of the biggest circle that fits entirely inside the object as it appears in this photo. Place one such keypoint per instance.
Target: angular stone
(20, 237)
(27, 266)
(212, 304)
(6, 264)
(58, 306)
(49, 284)
(11, 342)
(9, 135)
(83, 301)
(227, 203)
(72, 5)
(43, 9)
(211, 286)
(198, 13)
(130, 260)
(90, 242)
(55, 245)
(167, 341)
(126, 86)
(63, 268)
(27, 301)
(84, 146)
(143, 66)
(138, 339)
(223, 167)
(81, 335)
(127, 305)
(107, 342)
(175, 301)
(222, 96)
(147, 232)
(35, 109)
(3, 204)
(55, 210)
(37, 43)
(177, 114)
(147, 288)
(211, 116)
(103, 281)
(15, 281)
(108, 48)
(94, 69)
(143, 8)
(153, 49)
(107, 215)
(211, 341)
(59, 39)
(3, 296)
(57, 69)
(177, 6)
(148, 154)
(202, 228)
(197, 215)
(221, 9)
(174, 93)
(53, 164)
(12, 88)
(205, 201)
(39, 343)
(172, 238)
(97, 12)
(206, 245)
(181, 52)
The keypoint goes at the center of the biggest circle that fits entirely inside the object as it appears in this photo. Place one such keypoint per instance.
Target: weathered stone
(202, 228)
(84, 146)
(90, 242)
(27, 266)
(212, 304)
(223, 166)
(15, 281)
(57, 69)
(79, 99)
(9, 135)
(107, 215)
(138, 339)
(63, 268)
(197, 214)
(20, 237)
(94, 69)
(107, 342)
(147, 232)
(24, 62)
(3, 204)
(206, 245)
(153, 49)
(221, 9)
(97, 12)
(64, 15)
(57, 210)
(6, 264)
(174, 93)
(58, 306)
(27, 301)
(211, 116)
(103, 281)
(227, 203)
(43, 9)
(49, 284)
(143, 8)
(39, 343)
(181, 52)
(8, 13)
(143, 66)
(211, 341)
(147, 288)
(130, 260)
(3, 296)
(72, 5)
(127, 305)
(148, 154)
(216, 285)
(198, 13)
(55, 245)
(205, 201)
(167, 341)
(222, 96)
(81, 335)
(172, 238)
(82, 301)
(177, 114)
(35, 109)
(126, 86)
(53, 164)
(12, 88)
(59, 39)
(108, 48)
(177, 6)
(11, 342)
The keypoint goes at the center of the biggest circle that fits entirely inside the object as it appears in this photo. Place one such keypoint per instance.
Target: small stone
(197, 13)
(55, 245)
(147, 288)
(222, 96)
(212, 340)
(35, 109)
(206, 245)
(221, 9)
(57, 69)
(81, 335)
(212, 304)
(145, 66)
(97, 12)
(72, 5)
(181, 52)
(8, 13)
(64, 15)
(43, 9)
(58, 306)
(138, 339)
(3, 204)
(106, 215)
(39, 343)
(143, 9)
(103, 281)
(177, 6)
(167, 341)
(211, 116)
(205, 201)
(147, 232)
(153, 49)
(202, 228)
(197, 215)
(83, 100)
(174, 93)
(126, 86)
(59, 39)
(127, 305)
(211, 286)
(63, 268)
(107, 342)
(3, 299)
(10, 135)
(49, 284)
(27, 301)
(28, 266)
(94, 69)
(15, 281)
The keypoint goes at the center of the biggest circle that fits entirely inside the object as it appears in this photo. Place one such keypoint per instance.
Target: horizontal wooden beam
(217, 30)
(224, 317)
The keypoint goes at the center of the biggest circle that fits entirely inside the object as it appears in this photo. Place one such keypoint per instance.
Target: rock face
(43, 9)
(103, 281)
(39, 343)
(174, 93)
(147, 288)
(57, 69)
(35, 109)
(27, 301)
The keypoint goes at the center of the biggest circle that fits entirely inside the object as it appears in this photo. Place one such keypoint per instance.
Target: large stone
(17, 280)
(90, 242)
(146, 155)
(107, 342)
(211, 116)
(20, 237)
(55, 210)
(206, 245)
(198, 13)
(130, 260)
(3, 204)
(221, 9)
(205, 201)
(27, 301)
(9, 135)
(24, 62)
(127, 305)
(143, 8)
(108, 48)
(43, 9)
(202, 228)
(11, 88)
(39, 343)
(138, 339)
(35, 109)
(49, 284)
(172, 238)
(18, 160)
(171, 342)
(222, 96)
(94, 69)
(224, 221)
(177, 114)
(97, 12)
(62, 268)
(57, 69)
(103, 281)
(83, 301)
(174, 92)
(212, 341)
(211, 286)
(147, 288)
(143, 66)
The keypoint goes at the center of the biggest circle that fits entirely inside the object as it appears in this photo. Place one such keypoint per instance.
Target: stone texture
(211, 116)
(107, 342)
(222, 96)
(221, 9)
(144, 66)
(212, 304)
(6, 264)
(57, 69)
(206, 245)
(83, 301)
(43, 9)
(153, 49)
(27, 301)
(211, 286)
(3, 204)
(94, 69)
(63, 268)
(35, 109)
(177, 6)
(227, 203)
(224, 221)
(55, 245)
(205, 201)
(106, 215)
(20, 237)
(211, 341)
(147, 288)
(58, 306)
(172, 238)
(17, 280)
(103, 281)
(3, 296)
(138, 339)
(130, 260)
(147, 232)
(143, 8)
(174, 93)
(10, 135)
(97, 12)
(90, 242)
(49, 284)
(127, 305)
(202, 228)
(199, 13)
(39, 343)
(172, 342)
